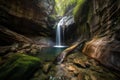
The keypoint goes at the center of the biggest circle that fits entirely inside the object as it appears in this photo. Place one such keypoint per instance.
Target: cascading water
(59, 33)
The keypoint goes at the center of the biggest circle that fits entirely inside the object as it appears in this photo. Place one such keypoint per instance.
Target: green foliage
(82, 15)
(19, 67)
(78, 8)
(61, 5)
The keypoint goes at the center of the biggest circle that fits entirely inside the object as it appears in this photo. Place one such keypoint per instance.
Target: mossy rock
(19, 67)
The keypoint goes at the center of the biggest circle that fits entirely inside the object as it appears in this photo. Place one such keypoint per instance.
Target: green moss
(61, 6)
(78, 7)
(81, 11)
(52, 17)
(19, 67)
(104, 76)
(82, 15)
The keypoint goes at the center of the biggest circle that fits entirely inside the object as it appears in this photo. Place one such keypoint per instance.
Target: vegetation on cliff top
(61, 6)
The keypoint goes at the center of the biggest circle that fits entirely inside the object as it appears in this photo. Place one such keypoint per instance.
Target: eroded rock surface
(104, 50)
(98, 23)
(77, 67)
(29, 18)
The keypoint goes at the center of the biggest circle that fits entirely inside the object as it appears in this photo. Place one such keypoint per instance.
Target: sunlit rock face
(98, 23)
(105, 50)
(26, 17)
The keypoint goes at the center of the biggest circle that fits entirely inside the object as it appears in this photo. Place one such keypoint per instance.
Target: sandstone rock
(46, 67)
(104, 50)
(29, 18)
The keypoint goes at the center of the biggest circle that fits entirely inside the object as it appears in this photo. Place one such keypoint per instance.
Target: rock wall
(98, 22)
(28, 17)
(31, 18)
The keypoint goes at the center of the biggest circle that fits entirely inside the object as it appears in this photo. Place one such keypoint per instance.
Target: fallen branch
(61, 57)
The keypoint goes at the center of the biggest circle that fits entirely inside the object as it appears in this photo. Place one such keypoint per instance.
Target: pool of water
(50, 53)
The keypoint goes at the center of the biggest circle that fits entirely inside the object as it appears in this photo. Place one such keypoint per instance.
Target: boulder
(19, 67)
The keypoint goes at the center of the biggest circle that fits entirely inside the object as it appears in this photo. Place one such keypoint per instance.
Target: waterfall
(59, 33)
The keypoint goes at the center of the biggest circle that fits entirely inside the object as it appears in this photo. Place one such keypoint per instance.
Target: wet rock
(34, 51)
(14, 47)
(19, 66)
(79, 63)
(79, 67)
(46, 67)
(39, 75)
(71, 68)
(80, 76)
(78, 60)
(26, 45)
(69, 71)
(73, 78)
(4, 50)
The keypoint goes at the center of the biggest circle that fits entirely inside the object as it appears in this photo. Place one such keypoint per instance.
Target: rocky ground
(22, 63)
(76, 67)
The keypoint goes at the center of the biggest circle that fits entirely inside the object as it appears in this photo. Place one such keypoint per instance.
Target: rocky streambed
(76, 67)
(30, 66)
